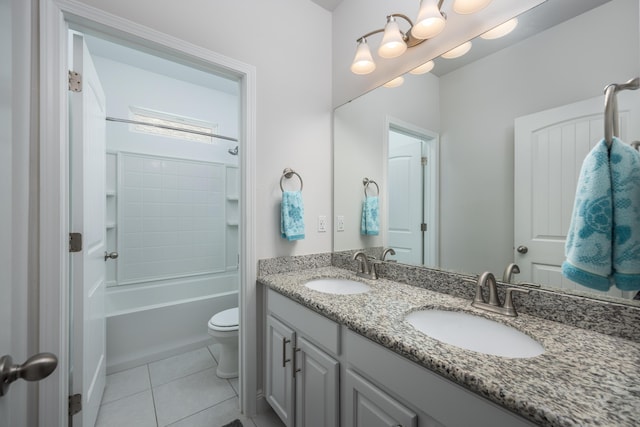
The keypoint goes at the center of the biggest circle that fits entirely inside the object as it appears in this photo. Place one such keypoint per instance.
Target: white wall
(359, 134)
(479, 103)
(289, 43)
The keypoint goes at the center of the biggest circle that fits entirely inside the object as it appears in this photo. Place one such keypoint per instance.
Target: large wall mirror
(461, 184)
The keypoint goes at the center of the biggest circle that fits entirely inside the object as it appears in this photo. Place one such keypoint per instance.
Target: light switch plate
(340, 223)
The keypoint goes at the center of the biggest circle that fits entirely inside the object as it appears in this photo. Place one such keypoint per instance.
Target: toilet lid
(225, 318)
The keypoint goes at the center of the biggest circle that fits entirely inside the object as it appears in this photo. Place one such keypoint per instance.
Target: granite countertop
(582, 378)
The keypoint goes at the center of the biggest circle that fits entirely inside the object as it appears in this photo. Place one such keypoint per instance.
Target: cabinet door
(279, 386)
(317, 386)
(368, 406)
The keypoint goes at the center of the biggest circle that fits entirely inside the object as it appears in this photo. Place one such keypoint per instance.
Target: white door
(405, 196)
(88, 203)
(550, 147)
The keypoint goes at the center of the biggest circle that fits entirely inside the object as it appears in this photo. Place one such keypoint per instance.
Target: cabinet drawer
(313, 326)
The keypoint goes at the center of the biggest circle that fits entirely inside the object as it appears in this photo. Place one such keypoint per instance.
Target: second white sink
(338, 286)
(474, 333)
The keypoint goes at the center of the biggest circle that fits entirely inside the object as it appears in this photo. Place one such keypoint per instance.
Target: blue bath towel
(625, 184)
(292, 215)
(370, 222)
(603, 243)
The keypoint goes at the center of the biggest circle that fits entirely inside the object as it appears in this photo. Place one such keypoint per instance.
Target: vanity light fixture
(398, 81)
(501, 30)
(457, 52)
(424, 68)
(431, 21)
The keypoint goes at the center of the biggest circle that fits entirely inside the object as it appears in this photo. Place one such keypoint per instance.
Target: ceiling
(330, 5)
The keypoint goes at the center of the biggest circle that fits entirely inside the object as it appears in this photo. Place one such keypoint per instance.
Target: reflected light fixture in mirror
(398, 81)
(465, 7)
(423, 69)
(457, 52)
(501, 30)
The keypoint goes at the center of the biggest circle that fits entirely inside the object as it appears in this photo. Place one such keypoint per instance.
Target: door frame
(431, 202)
(55, 18)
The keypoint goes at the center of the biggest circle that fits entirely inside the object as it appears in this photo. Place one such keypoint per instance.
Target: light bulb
(424, 68)
(392, 44)
(457, 52)
(465, 7)
(430, 21)
(501, 30)
(395, 82)
(363, 61)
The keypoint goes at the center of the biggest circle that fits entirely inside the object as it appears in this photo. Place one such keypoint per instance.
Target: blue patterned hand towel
(588, 245)
(624, 161)
(370, 222)
(292, 216)
(603, 243)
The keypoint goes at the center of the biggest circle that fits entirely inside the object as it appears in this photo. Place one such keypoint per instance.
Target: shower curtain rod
(136, 122)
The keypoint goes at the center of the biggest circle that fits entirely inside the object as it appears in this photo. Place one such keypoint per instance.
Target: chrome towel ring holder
(366, 181)
(288, 173)
(611, 125)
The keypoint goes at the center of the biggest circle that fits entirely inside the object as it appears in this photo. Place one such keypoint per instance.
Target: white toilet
(223, 327)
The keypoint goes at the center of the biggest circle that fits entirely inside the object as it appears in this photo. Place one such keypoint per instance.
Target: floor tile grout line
(184, 376)
(202, 410)
(153, 397)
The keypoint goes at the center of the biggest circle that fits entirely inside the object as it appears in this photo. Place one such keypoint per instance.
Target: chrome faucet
(367, 267)
(494, 305)
(387, 252)
(509, 272)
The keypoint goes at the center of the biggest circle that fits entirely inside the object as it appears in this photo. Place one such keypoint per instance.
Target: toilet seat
(226, 320)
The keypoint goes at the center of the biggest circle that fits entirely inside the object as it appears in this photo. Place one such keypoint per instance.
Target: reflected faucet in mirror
(509, 272)
(386, 252)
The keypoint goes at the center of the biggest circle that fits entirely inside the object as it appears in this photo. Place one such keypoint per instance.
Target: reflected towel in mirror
(370, 222)
(603, 243)
(292, 216)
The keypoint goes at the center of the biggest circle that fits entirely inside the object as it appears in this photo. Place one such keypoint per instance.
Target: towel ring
(366, 181)
(288, 173)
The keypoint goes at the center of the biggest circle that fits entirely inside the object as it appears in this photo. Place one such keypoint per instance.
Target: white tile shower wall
(171, 218)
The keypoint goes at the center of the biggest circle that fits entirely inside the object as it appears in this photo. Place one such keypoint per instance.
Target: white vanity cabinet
(302, 378)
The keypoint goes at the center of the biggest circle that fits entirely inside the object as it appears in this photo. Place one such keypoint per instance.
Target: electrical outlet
(322, 224)
(340, 223)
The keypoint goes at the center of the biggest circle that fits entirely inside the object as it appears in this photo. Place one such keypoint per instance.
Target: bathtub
(152, 321)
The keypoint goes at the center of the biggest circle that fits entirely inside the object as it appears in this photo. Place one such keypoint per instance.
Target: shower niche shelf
(111, 221)
(232, 215)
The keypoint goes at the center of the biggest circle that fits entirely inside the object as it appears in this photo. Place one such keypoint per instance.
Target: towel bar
(288, 173)
(611, 125)
(366, 181)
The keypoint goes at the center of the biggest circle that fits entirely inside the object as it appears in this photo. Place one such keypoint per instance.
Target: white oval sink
(338, 286)
(474, 333)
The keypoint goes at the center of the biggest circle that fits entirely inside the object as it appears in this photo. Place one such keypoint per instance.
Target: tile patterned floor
(180, 391)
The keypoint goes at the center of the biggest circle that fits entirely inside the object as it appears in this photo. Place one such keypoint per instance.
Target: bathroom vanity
(354, 360)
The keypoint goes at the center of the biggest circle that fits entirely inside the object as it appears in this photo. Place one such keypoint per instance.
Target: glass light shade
(465, 7)
(395, 82)
(430, 21)
(424, 68)
(363, 61)
(501, 30)
(457, 52)
(392, 44)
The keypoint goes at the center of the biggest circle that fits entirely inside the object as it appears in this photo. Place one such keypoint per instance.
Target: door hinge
(423, 227)
(75, 242)
(424, 160)
(75, 404)
(75, 81)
